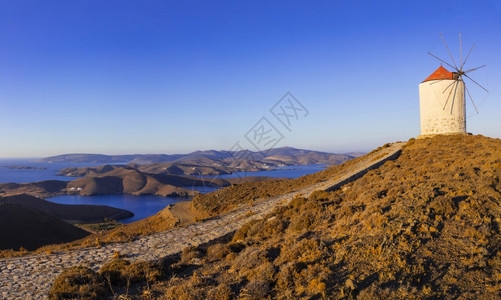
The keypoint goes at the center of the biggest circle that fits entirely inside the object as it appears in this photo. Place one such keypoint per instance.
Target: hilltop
(423, 226)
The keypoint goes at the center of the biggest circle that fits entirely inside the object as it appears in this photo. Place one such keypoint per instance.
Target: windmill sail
(458, 73)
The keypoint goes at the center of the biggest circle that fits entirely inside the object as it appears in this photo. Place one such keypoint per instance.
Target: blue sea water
(141, 206)
(32, 175)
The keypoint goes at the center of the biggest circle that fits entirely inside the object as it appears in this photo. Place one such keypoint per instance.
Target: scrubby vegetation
(113, 279)
(77, 282)
(425, 226)
(231, 197)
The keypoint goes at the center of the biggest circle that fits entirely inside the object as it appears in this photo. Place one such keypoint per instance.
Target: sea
(141, 206)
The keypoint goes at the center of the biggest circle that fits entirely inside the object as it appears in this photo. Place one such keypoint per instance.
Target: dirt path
(30, 277)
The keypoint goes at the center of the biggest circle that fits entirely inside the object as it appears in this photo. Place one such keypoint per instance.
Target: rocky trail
(30, 277)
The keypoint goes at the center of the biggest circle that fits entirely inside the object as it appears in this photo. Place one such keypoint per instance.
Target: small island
(24, 168)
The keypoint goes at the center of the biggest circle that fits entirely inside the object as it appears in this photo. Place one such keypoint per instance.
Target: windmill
(442, 95)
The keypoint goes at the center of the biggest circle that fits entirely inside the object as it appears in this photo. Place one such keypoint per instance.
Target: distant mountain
(88, 158)
(132, 181)
(283, 155)
(105, 180)
(135, 182)
(207, 166)
(110, 159)
(356, 154)
(293, 156)
(85, 171)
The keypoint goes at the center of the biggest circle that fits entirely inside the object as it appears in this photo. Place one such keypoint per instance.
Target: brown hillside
(69, 213)
(425, 226)
(120, 180)
(84, 171)
(131, 181)
(47, 188)
(228, 198)
(199, 167)
(30, 229)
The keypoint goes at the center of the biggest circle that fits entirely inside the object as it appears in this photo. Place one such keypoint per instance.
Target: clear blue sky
(120, 77)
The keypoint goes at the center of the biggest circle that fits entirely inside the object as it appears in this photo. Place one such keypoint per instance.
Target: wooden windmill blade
(442, 95)
(448, 87)
(468, 54)
(472, 102)
(450, 93)
(454, 96)
(440, 59)
(459, 73)
(461, 64)
(476, 82)
(450, 54)
(471, 70)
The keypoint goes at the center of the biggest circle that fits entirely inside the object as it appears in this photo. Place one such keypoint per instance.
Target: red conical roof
(439, 74)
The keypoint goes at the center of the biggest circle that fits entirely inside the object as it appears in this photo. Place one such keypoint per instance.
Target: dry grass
(113, 280)
(77, 283)
(424, 226)
(226, 199)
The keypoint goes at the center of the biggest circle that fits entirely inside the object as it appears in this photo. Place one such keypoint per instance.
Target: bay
(41, 171)
(141, 206)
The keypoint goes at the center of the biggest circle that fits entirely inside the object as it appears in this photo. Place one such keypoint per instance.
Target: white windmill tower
(442, 97)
